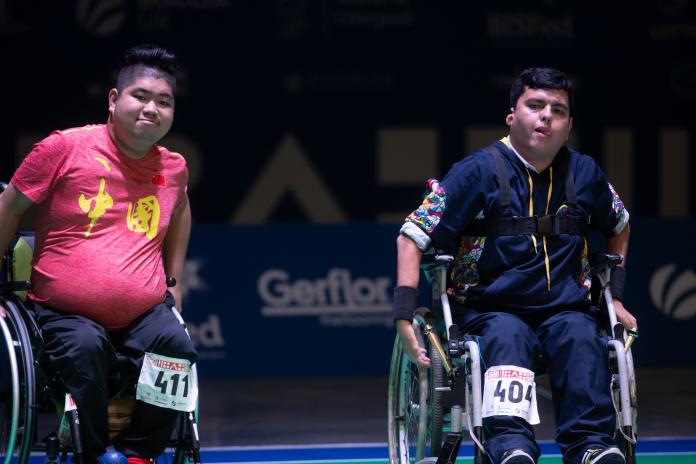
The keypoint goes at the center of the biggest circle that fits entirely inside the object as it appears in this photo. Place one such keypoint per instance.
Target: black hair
(540, 78)
(147, 60)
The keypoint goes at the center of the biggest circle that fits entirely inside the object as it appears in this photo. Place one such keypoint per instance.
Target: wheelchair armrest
(434, 256)
(603, 261)
(433, 260)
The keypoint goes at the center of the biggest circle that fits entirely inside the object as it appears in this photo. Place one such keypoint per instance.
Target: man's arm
(619, 244)
(13, 204)
(408, 262)
(175, 246)
(407, 275)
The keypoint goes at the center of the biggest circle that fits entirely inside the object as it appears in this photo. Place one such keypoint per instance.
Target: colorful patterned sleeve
(619, 211)
(423, 221)
(607, 212)
(451, 204)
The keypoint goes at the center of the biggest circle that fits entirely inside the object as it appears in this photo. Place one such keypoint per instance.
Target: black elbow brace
(617, 282)
(405, 302)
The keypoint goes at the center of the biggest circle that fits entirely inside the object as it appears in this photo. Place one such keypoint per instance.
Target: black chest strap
(534, 225)
(507, 224)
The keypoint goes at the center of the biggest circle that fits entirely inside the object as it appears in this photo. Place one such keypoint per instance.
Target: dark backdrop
(348, 91)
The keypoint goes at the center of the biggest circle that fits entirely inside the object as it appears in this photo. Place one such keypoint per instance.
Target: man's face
(143, 112)
(540, 123)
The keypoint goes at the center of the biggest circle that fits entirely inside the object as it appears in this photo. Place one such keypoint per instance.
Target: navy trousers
(578, 371)
(83, 352)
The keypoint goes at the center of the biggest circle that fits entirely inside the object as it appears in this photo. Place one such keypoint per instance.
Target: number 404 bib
(510, 391)
(167, 383)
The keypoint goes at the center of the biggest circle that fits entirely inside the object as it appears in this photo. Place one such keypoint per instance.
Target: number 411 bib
(167, 383)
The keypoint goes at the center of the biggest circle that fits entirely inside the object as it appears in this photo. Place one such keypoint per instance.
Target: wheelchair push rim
(10, 421)
(17, 430)
(414, 423)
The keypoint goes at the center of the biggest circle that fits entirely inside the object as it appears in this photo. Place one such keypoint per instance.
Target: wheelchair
(28, 385)
(427, 422)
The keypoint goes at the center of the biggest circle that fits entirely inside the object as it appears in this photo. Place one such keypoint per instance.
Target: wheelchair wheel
(437, 379)
(415, 420)
(18, 387)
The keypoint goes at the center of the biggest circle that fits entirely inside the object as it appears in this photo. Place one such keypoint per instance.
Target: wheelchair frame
(416, 420)
(18, 415)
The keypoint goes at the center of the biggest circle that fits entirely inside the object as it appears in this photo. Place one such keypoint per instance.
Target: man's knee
(176, 343)
(84, 342)
(92, 344)
(83, 358)
(572, 340)
(508, 340)
(160, 332)
(507, 329)
(574, 320)
(182, 344)
(575, 327)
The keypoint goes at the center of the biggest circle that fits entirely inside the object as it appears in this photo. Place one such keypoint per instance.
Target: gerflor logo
(673, 292)
(338, 299)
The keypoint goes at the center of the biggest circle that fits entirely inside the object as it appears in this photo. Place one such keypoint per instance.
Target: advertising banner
(291, 300)
(316, 300)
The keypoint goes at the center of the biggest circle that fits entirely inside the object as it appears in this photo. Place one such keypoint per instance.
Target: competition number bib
(167, 382)
(510, 391)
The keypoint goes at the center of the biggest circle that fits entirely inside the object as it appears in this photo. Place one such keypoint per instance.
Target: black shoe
(611, 455)
(516, 456)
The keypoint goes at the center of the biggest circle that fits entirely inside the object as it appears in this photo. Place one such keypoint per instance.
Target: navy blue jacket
(522, 273)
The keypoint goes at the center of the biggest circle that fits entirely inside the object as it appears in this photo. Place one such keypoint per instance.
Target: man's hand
(624, 317)
(415, 352)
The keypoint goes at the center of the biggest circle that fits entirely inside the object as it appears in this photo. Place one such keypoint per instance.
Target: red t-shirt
(100, 224)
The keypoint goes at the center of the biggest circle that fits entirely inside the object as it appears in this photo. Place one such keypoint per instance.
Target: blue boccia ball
(112, 457)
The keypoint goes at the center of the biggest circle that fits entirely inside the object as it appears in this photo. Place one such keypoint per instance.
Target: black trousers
(83, 352)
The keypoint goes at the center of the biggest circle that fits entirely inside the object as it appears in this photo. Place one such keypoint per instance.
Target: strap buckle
(545, 225)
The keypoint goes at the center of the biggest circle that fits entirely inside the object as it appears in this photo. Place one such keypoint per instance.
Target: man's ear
(113, 96)
(510, 116)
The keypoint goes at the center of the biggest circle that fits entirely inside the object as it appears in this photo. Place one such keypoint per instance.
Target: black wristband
(405, 302)
(617, 282)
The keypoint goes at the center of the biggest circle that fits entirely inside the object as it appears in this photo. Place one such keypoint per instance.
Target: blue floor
(378, 451)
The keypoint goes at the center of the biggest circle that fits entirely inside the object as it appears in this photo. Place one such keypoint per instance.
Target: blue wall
(315, 300)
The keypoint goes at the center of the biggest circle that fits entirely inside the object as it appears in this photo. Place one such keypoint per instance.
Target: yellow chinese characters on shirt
(96, 206)
(144, 218)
